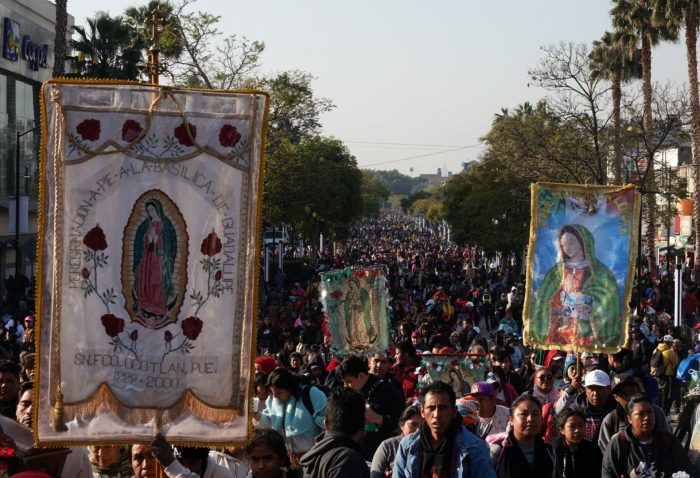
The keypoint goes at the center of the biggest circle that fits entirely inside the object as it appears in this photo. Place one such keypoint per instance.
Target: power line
(412, 144)
(419, 156)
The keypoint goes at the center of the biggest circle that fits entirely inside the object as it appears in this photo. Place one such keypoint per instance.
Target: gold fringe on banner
(104, 400)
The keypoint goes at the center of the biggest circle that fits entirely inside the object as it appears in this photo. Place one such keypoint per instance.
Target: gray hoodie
(335, 455)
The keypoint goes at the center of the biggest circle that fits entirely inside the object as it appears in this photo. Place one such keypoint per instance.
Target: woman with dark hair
(523, 453)
(295, 410)
(576, 457)
(643, 449)
(578, 300)
(267, 456)
(383, 459)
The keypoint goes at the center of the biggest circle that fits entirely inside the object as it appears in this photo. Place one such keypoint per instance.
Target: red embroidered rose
(85, 273)
(134, 335)
(89, 129)
(95, 239)
(183, 137)
(229, 136)
(211, 245)
(337, 294)
(192, 327)
(168, 336)
(218, 275)
(454, 363)
(131, 130)
(113, 325)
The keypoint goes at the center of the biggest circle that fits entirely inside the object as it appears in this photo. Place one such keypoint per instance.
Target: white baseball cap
(597, 377)
(668, 338)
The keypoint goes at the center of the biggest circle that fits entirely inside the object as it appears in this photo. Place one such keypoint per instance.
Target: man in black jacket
(384, 402)
(337, 452)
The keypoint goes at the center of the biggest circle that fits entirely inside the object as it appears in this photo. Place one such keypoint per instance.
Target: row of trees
(597, 125)
(312, 183)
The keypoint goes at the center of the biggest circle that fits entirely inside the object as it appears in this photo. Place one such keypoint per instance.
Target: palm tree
(610, 61)
(60, 47)
(687, 13)
(635, 23)
(108, 49)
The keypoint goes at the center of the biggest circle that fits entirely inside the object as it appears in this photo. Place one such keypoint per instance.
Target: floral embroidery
(211, 245)
(131, 130)
(192, 327)
(113, 325)
(229, 136)
(182, 136)
(89, 129)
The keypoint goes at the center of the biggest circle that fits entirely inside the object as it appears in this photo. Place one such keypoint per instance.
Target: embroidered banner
(355, 306)
(150, 201)
(580, 266)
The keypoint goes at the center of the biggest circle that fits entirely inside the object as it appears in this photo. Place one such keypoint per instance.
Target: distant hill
(398, 183)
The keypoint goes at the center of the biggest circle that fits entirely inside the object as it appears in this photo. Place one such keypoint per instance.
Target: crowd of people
(532, 413)
(536, 411)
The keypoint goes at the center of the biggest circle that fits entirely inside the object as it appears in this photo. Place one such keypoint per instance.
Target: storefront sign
(36, 54)
(10, 44)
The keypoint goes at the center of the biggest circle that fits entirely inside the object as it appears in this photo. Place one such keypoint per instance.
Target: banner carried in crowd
(460, 371)
(150, 203)
(580, 266)
(355, 304)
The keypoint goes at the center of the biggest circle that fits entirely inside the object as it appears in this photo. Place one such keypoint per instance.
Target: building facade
(26, 61)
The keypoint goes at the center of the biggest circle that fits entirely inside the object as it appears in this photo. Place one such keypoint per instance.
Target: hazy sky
(416, 83)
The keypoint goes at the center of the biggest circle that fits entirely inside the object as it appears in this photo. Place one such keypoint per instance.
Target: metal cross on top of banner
(155, 22)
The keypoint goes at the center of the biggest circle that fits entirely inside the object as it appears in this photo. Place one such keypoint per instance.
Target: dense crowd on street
(535, 413)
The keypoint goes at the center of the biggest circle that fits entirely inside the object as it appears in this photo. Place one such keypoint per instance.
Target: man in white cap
(596, 401)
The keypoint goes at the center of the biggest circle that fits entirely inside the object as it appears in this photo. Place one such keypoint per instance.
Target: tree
(207, 60)
(294, 109)
(635, 24)
(489, 207)
(108, 48)
(315, 186)
(401, 184)
(534, 144)
(579, 100)
(60, 44)
(687, 13)
(611, 61)
(373, 193)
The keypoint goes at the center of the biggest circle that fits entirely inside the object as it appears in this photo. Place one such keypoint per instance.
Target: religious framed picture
(580, 266)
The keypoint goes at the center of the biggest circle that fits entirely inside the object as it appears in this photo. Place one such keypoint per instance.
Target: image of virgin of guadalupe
(578, 301)
(358, 315)
(155, 251)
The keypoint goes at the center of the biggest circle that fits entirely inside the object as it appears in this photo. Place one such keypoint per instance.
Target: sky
(415, 83)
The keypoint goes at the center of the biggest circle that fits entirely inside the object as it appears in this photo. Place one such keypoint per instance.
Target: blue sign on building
(11, 45)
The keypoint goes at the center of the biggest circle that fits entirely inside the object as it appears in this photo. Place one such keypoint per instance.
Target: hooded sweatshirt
(335, 455)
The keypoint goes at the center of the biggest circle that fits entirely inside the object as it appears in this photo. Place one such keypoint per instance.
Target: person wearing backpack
(665, 371)
(384, 402)
(287, 413)
(643, 449)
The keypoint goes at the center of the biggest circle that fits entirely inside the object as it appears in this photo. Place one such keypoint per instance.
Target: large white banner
(149, 212)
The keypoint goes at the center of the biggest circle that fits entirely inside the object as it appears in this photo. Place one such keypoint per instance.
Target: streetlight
(17, 250)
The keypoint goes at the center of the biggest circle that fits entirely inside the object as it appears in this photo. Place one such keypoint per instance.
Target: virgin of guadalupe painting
(154, 260)
(580, 266)
(358, 314)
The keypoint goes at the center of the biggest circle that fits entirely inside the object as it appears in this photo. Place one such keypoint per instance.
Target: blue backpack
(691, 362)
